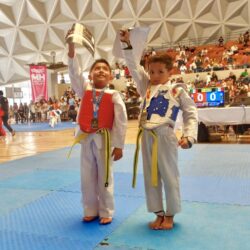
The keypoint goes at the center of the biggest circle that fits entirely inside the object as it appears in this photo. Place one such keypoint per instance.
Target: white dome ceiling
(31, 29)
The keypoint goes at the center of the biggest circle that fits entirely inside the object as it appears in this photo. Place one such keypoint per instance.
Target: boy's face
(100, 75)
(158, 73)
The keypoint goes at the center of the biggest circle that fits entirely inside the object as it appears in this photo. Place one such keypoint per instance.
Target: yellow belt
(154, 158)
(105, 132)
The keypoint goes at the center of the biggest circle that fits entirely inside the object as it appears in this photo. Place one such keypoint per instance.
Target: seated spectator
(206, 59)
(230, 60)
(214, 77)
(217, 66)
(198, 63)
(193, 67)
(208, 68)
(244, 73)
(197, 79)
(241, 39)
(243, 89)
(64, 108)
(153, 52)
(183, 69)
(225, 55)
(232, 76)
(183, 52)
(208, 79)
(192, 49)
(180, 61)
(229, 53)
(234, 49)
(180, 79)
(204, 52)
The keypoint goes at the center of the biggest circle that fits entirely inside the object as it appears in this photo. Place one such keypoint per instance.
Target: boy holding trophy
(102, 121)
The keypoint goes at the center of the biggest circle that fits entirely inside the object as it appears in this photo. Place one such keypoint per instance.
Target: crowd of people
(206, 58)
(40, 111)
(50, 111)
(209, 59)
(236, 87)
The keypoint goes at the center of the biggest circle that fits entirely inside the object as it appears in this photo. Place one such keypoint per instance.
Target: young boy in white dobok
(161, 103)
(102, 123)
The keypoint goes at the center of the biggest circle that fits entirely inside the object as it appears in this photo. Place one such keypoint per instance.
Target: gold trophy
(79, 34)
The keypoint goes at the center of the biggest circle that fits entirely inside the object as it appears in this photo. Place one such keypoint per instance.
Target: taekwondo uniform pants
(168, 173)
(96, 198)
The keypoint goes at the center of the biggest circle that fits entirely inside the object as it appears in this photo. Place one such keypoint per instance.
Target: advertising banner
(38, 78)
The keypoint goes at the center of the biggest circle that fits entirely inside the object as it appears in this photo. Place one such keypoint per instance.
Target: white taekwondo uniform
(97, 199)
(158, 113)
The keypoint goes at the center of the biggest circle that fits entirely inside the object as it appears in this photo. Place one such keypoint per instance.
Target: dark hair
(101, 60)
(1, 92)
(165, 59)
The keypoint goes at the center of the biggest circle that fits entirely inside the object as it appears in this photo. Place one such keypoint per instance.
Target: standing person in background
(221, 41)
(11, 114)
(21, 112)
(246, 38)
(5, 107)
(102, 122)
(32, 109)
(2, 131)
(16, 115)
(38, 111)
(161, 104)
(241, 39)
(26, 112)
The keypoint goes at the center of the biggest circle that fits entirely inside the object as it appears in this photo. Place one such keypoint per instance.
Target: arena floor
(40, 197)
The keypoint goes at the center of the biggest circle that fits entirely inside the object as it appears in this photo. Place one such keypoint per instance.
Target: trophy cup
(79, 34)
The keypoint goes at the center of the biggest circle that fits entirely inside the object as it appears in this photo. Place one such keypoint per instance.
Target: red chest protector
(105, 112)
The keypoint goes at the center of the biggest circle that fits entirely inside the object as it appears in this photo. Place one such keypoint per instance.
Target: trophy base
(82, 36)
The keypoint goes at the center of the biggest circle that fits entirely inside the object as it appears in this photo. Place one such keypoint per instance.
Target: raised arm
(138, 73)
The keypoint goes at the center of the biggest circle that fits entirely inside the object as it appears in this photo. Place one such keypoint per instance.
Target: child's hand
(124, 36)
(185, 143)
(117, 154)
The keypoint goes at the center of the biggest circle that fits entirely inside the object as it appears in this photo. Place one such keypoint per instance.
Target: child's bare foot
(89, 218)
(105, 221)
(167, 223)
(156, 224)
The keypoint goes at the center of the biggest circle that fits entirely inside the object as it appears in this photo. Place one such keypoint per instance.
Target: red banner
(38, 78)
